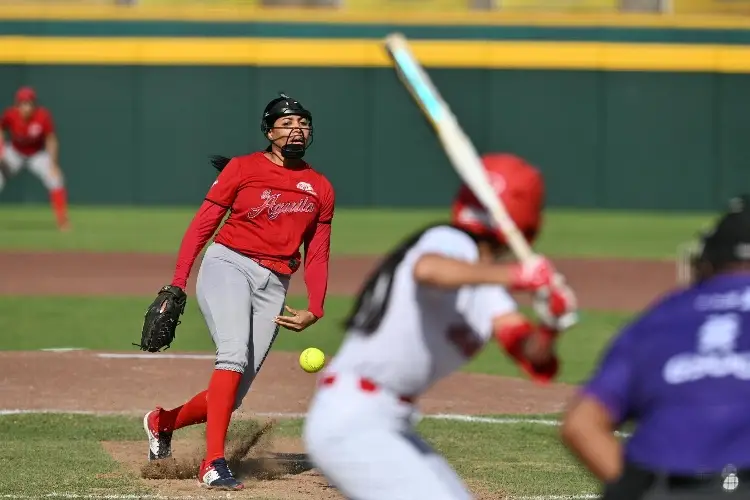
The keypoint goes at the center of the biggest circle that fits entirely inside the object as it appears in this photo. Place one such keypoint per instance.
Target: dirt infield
(614, 285)
(91, 381)
(95, 382)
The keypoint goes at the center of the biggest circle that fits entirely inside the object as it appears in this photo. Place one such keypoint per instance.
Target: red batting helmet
(25, 94)
(519, 185)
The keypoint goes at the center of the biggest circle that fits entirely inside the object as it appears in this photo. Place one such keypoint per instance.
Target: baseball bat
(457, 145)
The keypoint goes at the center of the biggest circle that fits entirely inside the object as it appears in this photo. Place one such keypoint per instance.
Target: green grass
(111, 324)
(61, 453)
(517, 459)
(30, 323)
(372, 231)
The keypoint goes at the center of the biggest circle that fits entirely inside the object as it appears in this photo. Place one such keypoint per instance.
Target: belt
(365, 384)
(275, 266)
(278, 267)
(674, 481)
(635, 481)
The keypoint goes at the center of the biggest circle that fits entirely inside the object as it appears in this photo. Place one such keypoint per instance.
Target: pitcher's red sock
(193, 412)
(221, 393)
(59, 200)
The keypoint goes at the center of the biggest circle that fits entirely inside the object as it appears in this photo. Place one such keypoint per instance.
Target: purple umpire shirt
(681, 372)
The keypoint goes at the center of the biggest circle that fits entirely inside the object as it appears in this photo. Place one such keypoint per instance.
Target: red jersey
(274, 211)
(271, 207)
(27, 136)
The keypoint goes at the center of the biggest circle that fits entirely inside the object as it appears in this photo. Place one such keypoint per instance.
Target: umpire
(681, 373)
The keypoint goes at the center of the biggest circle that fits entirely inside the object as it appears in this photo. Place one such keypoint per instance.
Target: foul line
(113, 496)
(429, 416)
(63, 349)
(281, 415)
(128, 355)
(133, 496)
(112, 355)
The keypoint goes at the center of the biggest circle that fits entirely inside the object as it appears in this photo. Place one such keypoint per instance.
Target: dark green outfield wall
(141, 134)
(615, 140)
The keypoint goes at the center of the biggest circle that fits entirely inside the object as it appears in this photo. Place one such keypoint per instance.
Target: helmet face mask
(288, 116)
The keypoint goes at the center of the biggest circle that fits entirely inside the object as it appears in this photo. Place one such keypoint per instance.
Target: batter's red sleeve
(317, 254)
(224, 189)
(5, 120)
(198, 233)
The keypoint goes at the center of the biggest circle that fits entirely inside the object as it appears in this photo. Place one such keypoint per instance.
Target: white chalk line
(128, 355)
(124, 355)
(43, 411)
(280, 415)
(283, 415)
(75, 496)
(557, 497)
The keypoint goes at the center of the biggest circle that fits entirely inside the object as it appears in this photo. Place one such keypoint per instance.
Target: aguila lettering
(274, 208)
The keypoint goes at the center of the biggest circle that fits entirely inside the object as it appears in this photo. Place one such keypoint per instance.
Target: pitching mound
(271, 466)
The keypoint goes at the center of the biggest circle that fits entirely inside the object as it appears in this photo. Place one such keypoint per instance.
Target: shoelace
(222, 468)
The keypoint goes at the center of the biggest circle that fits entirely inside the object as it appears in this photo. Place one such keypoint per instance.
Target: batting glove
(556, 306)
(532, 275)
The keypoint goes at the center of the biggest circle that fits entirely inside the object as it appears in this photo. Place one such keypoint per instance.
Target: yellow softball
(312, 360)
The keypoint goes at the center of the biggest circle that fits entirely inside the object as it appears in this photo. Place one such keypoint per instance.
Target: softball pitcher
(277, 203)
(33, 143)
(428, 309)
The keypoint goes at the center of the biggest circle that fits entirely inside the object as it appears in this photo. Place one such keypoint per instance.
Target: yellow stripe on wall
(711, 7)
(369, 53)
(395, 16)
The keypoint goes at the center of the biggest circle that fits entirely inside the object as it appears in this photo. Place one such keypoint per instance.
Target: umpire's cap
(729, 240)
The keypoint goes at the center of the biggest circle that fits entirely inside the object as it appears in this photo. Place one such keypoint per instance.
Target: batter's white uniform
(362, 437)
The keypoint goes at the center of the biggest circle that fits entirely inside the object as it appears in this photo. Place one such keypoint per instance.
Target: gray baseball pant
(239, 300)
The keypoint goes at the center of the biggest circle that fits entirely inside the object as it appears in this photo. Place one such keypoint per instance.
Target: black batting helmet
(286, 106)
(727, 242)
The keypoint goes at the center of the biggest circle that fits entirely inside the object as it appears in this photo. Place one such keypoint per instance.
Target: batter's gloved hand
(162, 318)
(556, 306)
(533, 274)
(532, 347)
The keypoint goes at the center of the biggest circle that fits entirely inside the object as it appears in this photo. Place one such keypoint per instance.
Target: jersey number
(463, 338)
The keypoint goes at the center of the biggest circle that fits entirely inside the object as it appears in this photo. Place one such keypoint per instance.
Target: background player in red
(278, 203)
(32, 142)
